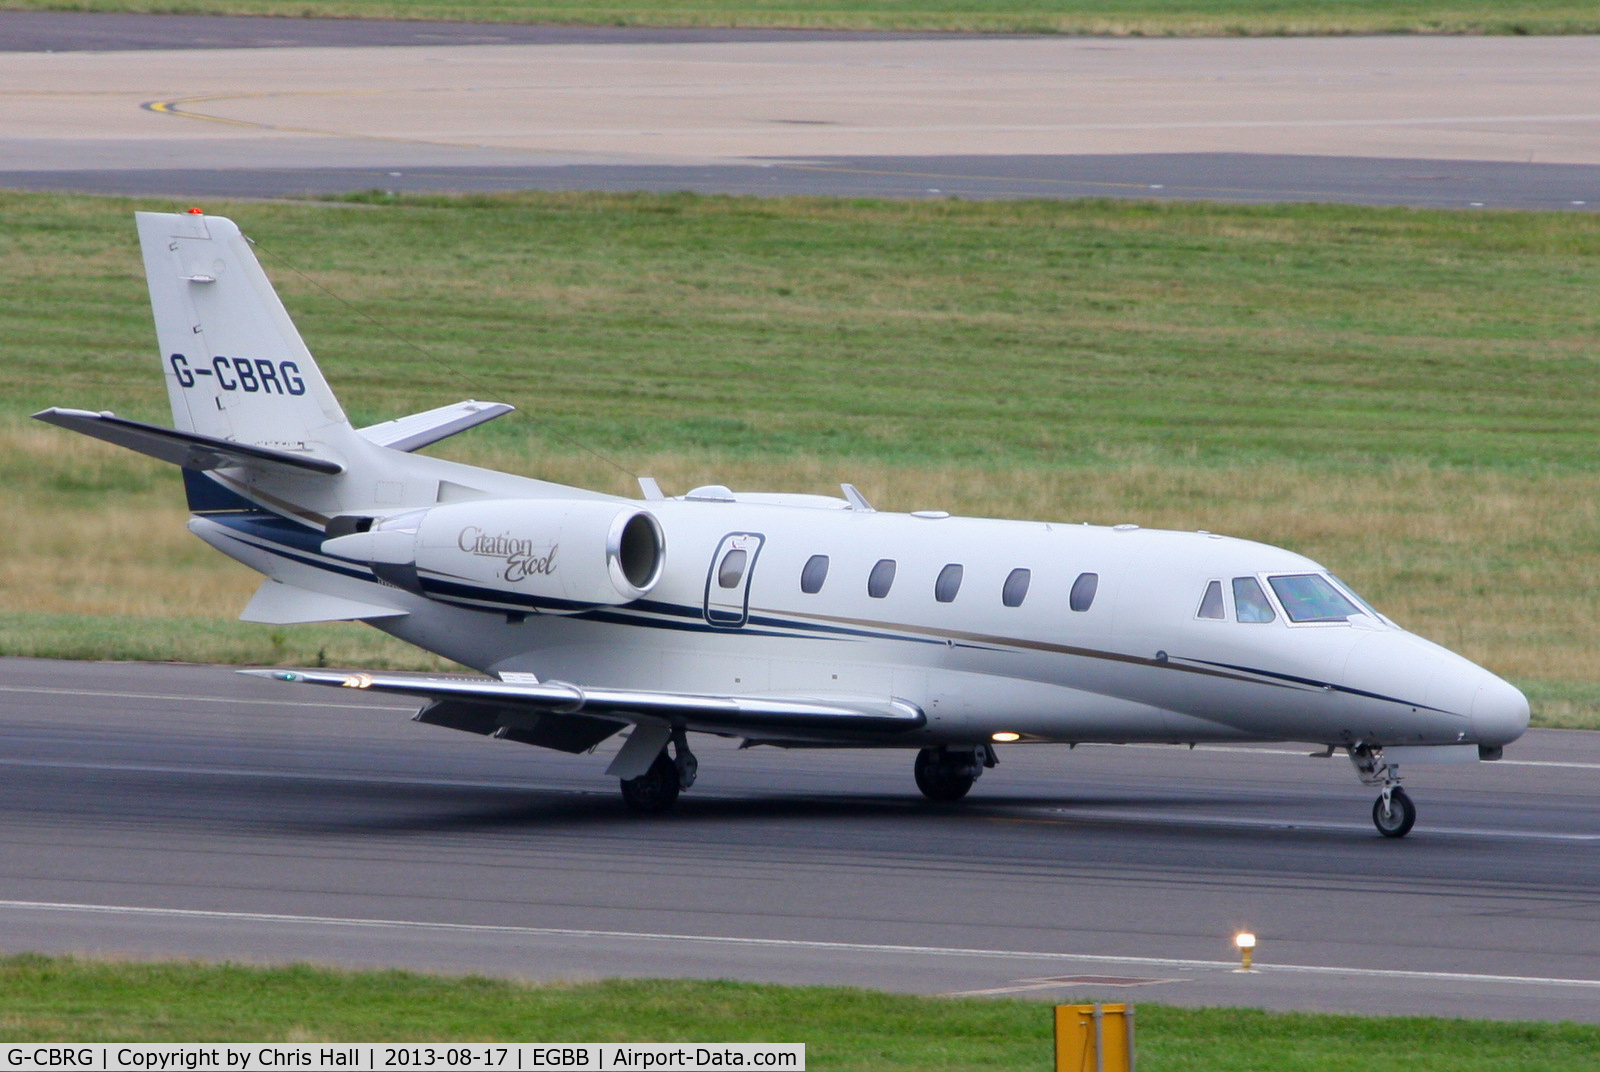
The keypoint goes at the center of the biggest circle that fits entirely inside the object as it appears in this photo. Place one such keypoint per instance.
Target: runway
(191, 106)
(184, 811)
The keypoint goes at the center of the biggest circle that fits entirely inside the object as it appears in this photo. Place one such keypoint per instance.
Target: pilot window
(881, 577)
(731, 572)
(1211, 602)
(1308, 597)
(814, 574)
(1016, 587)
(1250, 602)
(1083, 589)
(948, 584)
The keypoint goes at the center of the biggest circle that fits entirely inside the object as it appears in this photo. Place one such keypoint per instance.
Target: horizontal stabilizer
(421, 429)
(276, 603)
(188, 449)
(748, 716)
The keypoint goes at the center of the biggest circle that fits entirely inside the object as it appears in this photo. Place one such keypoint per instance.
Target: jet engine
(554, 554)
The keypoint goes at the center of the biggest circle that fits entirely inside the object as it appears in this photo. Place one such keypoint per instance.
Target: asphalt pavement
(186, 811)
(194, 107)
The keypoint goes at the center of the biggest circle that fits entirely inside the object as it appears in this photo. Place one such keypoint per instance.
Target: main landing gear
(946, 775)
(1392, 813)
(657, 789)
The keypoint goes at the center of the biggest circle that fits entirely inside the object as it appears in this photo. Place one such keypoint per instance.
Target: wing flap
(191, 450)
(744, 715)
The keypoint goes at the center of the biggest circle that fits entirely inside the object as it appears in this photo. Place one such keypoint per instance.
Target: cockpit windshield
(1311, 597)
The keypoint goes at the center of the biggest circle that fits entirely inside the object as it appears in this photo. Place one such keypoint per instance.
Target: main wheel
(942, 776)
(654, 791)
(1399, 819)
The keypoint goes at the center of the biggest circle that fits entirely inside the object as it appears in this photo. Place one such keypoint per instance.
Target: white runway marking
(1174, 819)
(774, 943)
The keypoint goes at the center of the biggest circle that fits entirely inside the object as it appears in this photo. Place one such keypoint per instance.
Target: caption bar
(397, 1057)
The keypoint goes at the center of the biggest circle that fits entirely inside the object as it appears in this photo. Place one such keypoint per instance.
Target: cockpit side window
(1211, 602)
(1250, 602)
(1310, 597)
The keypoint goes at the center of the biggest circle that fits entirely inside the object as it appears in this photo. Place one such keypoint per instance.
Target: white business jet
(779, 619)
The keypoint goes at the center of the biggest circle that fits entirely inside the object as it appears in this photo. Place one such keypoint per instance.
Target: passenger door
(727, 601)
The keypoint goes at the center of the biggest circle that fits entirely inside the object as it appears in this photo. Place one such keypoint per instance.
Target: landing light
(1007, 736)
(1247, 948)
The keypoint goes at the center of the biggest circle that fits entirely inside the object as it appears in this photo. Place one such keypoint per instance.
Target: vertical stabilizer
(235, 366)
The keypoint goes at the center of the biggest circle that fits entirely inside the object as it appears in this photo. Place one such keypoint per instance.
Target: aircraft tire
(654, 791)
(942, 777)
(1401, 818)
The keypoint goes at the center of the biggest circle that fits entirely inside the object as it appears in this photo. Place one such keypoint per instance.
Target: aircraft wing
(188, 449)
(458, 700)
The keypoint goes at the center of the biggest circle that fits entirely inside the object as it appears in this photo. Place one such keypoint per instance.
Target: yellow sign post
(1094, 1038)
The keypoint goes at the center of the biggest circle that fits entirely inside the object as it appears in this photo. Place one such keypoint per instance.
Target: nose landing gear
(1392, 813)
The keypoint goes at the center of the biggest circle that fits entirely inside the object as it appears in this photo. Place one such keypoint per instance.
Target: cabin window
(1211, 602)
(881, 577)
(731, 572)
(1016, 587)
(1083, 590)
(1309, 597)
(1250, 602)
(948, 584)
(814, 573)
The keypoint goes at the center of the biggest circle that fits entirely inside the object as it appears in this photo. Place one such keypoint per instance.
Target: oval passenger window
(731, 572)
(948, 584)
(814, 574)
(1016, 587)
(881, 578)
(1083, 589)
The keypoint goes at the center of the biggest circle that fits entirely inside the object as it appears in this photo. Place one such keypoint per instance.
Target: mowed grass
(1118, 17)
(1409, 397)
(56, 999)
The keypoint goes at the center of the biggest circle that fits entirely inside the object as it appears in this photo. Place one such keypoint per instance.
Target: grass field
(1121, 17)
(1409, 397)
(46, 999)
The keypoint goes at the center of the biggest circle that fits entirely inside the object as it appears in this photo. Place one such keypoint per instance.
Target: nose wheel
(1393, 813)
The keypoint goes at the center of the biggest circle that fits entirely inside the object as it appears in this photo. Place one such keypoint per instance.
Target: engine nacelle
(579, 552)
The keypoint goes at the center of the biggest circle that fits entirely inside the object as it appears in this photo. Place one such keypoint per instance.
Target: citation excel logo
(518, 554)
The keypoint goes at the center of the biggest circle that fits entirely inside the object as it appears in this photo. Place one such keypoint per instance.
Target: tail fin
(235, 366)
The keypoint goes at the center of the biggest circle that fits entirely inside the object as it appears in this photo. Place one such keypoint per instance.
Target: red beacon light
(196, 212)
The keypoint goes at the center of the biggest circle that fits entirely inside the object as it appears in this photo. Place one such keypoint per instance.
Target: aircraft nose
(1499, 712)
